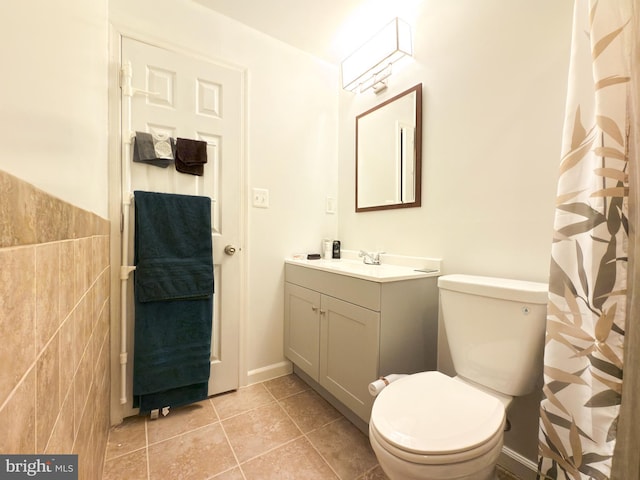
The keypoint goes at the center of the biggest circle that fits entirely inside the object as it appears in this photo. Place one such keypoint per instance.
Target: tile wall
(54, 326)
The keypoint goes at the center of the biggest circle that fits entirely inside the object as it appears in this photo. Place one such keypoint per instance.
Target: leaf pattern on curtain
(588, 277)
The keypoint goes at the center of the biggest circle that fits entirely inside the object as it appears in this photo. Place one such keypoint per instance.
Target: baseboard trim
(520, 466)
(269, 372)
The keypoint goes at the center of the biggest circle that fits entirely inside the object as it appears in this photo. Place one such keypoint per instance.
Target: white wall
(292, 123)
(53, 100)
(494, 76)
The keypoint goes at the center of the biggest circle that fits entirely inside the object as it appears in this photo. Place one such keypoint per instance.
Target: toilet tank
(495, 329)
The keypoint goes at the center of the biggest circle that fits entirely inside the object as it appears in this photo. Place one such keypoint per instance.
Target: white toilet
(435, 427)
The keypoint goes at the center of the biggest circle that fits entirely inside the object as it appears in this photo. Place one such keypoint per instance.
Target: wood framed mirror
(389, 153)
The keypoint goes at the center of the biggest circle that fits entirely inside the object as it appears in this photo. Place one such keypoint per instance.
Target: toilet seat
(488, 450)
(429, 417)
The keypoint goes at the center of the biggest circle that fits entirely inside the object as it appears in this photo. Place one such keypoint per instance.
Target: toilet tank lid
(494, 287)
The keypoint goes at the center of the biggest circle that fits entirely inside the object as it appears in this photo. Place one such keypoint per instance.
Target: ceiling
(328, 29)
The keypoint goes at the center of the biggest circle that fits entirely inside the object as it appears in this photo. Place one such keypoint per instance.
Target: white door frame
(116, 34)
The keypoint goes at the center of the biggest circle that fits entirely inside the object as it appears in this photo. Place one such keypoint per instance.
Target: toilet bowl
(434, 427)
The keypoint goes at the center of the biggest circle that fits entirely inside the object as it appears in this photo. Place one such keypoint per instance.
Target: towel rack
(126, 198)
(127, 134)
(128, 90)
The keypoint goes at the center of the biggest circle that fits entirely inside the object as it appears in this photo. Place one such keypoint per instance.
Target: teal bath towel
(173, 289)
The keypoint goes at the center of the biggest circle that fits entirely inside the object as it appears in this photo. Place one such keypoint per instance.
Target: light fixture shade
(386, 47)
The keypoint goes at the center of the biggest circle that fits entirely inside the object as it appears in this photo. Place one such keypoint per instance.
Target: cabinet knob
(314, 308)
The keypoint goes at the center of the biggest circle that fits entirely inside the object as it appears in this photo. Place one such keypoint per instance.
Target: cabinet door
(349, 347)
(302, 328)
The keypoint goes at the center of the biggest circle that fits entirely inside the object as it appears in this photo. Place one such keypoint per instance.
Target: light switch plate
(260, 197)
(330, 205)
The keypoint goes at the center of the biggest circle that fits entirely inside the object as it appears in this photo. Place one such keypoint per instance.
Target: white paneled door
(183, 96)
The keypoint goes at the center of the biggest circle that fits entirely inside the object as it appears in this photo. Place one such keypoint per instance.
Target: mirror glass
(389, 153)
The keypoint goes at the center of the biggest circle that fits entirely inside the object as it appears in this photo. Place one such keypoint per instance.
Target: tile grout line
(305, 434)
(224, 432)
(272, 449)
(370, 470)
(278, 402)
(181, 434)
(320, 453)
(120, 455)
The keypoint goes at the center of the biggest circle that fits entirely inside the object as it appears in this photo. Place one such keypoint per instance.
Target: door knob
(230, 250)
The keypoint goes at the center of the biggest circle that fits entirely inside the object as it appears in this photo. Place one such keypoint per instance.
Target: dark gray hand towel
(154, 150)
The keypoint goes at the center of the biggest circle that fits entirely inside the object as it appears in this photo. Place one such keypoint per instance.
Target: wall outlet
(260, 197)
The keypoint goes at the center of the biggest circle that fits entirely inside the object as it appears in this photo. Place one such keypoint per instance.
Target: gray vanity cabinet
(344, 332)
(302, 328)
(349, 353)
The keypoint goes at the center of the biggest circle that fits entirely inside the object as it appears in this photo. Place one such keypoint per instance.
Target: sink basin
(375, 273)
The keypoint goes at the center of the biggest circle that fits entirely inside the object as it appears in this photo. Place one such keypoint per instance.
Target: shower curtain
(592, 304)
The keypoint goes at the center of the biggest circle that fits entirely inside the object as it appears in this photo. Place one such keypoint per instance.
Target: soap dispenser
(336, 249)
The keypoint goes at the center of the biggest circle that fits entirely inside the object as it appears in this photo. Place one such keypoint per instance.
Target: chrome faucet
(370, 258)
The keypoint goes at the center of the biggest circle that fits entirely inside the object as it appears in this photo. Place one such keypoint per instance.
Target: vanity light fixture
(370, 65)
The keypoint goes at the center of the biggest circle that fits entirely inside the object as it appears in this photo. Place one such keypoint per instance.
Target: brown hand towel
(191, 155)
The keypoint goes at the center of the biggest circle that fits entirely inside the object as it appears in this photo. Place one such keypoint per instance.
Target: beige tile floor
(279, 429)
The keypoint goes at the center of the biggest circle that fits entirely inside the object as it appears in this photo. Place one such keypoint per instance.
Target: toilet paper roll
(377, 386)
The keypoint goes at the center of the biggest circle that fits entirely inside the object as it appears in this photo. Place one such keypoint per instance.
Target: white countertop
(386, 272)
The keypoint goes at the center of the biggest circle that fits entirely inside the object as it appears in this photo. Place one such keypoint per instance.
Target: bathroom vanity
(346, 324)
